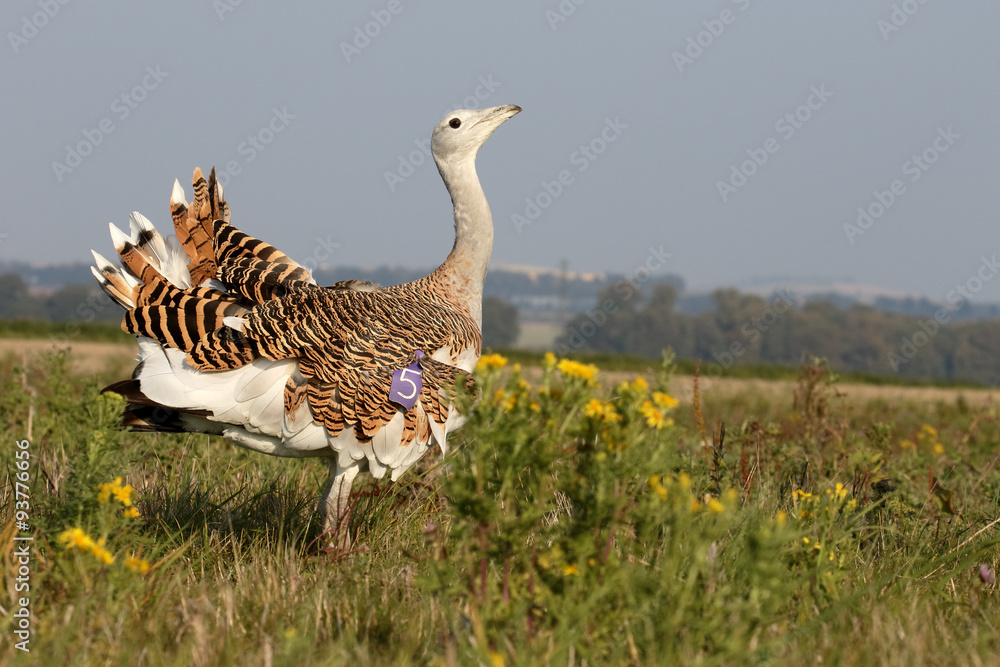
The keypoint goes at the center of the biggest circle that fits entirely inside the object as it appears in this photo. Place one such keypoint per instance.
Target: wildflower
(799, 494)
(715, 506)
(665, 401)
(121, 492)
(137, 565)
(684, 480)
(75, 537)
(657, 487)
(574, 369)
(907, 444)
(594, 409)
(534, 407)
(496, 659)
(805, 540)
(499, 397)
(103, 555)
(549, 361)
(654, 417)
(640, 384)
(780, 518)
(570, 570)
(986, 574)
(490, 362)
(131, 513)
(938, 448)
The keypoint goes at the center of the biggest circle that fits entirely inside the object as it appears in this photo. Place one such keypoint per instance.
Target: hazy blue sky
(200, 78)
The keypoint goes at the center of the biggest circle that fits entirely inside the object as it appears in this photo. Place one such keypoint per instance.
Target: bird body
(237, 339)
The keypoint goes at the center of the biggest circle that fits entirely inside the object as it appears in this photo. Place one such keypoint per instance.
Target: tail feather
(193, 223)
(178, 318)
(115, 282)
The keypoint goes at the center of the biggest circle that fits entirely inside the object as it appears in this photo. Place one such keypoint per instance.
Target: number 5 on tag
(406, 384)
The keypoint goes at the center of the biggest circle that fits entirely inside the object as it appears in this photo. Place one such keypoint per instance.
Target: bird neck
(464, 271)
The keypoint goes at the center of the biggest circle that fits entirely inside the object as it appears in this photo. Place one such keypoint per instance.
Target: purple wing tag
(406, 384)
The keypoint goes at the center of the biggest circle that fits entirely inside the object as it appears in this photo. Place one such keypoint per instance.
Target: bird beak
(501, 114)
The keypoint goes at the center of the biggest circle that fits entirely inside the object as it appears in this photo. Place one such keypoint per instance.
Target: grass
(98, 332)
(570, 522)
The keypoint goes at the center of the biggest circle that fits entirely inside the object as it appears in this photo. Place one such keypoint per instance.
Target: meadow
(581, 517)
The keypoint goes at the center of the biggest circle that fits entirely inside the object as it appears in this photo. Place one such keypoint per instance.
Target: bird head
(459, 135)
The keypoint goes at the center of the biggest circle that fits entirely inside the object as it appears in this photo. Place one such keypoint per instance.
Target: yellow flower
(549, 361)
(122, 493)
(103, 555)
(75, 537)
(131, 513)
(575, 369)
(654, 417)
(715, 506)
(780, 518)
(596, 409)
(490, 362)
(684, 480)
(640, 384)
(840, 491)
(657, 487)
(799, 494)
(907, 444)
(105, 490)
(496, 659)
(570, 569)
(665, 401)
(534, 407)
(137, 564)
(695, 506)
(938, 448)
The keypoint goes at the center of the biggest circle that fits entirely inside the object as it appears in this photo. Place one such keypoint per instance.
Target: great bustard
(237, 339)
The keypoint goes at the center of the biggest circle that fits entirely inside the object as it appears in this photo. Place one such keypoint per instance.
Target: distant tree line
(85, 303)
(744, 328)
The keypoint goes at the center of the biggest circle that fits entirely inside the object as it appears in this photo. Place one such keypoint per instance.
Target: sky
(731, 142)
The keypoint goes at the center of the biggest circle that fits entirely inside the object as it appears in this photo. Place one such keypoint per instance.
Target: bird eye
(455, 123)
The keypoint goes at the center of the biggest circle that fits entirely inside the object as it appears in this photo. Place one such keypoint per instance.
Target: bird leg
(333, 504)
